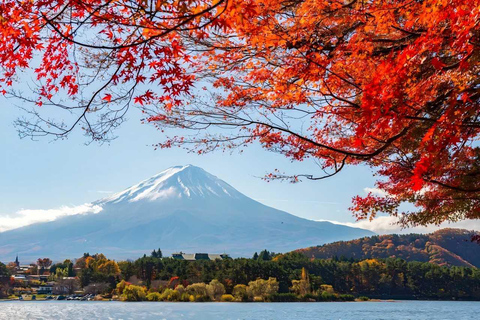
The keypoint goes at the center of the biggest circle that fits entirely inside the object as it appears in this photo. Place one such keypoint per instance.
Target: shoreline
(235, 302)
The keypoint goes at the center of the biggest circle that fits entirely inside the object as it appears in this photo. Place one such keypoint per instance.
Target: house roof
(198, 256)
(215, 256)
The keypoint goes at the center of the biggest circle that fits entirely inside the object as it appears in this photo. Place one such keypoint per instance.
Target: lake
(401, 310)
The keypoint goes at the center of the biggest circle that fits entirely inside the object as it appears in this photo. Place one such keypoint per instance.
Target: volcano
(182, 208)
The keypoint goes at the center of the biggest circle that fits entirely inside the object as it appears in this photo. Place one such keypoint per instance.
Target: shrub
(134, 293)
(326, 296)
(197, 289)
(282, 297)
(215, 289)
(240, 292)
(363, 298)
(200, 298)
(300, 287)
(154, 296)
(181, 289)
(262, 288)
(185, 297)
(326, 287)
(121, 286)
(309, 297)
(346, 297)
(227, 298)
(170, 295)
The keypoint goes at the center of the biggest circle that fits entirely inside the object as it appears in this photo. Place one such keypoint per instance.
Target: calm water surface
(401, 310)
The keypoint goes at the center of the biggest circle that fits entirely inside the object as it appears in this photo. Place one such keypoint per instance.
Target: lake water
(401, 310)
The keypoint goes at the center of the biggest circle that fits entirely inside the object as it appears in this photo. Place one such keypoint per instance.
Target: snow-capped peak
(176, 182)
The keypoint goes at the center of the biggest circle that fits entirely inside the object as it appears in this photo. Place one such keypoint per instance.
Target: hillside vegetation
(444, 247)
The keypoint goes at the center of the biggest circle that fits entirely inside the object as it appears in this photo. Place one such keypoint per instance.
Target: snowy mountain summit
(183, 208)
(176, 182)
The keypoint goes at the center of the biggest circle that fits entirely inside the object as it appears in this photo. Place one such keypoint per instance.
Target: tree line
(269, 277)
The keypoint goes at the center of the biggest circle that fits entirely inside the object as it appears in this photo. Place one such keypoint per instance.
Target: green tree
(156, 254)
(265, 255)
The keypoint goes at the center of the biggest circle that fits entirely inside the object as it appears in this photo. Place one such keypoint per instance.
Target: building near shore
(199, 256)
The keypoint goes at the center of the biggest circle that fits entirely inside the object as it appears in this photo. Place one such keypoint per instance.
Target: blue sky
(45, 174)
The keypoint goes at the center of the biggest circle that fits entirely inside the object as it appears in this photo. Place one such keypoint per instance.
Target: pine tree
(265, 255)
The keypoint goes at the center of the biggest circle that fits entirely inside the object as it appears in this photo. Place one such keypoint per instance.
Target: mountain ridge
(447, 246)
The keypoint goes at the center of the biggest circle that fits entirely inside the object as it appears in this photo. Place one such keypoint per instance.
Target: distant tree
(4, 270)
(255, 256)
(157, 254)
(127, 269)
(65, 286)
(300, 287)
(4, 280)
(109, 267)
(67, 264)
(44, 263)
(61, 273)
(265, 255)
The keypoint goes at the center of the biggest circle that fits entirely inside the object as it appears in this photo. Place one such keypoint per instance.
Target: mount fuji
(182, 208)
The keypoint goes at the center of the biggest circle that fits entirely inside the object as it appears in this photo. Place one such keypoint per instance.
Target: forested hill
(443, 247)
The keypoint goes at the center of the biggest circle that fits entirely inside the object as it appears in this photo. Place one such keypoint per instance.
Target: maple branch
(134, 43)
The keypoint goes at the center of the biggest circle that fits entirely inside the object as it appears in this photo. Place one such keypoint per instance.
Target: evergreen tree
(265, 255)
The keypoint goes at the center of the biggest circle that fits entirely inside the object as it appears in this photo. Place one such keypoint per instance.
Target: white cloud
(382, 193)
(375, 191)
(26, 217)
(387, 225)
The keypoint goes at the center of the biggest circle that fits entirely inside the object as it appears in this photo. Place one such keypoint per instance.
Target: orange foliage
(390, 84)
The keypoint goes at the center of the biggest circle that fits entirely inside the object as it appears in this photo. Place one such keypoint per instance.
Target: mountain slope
(182, 208)
(443, 247)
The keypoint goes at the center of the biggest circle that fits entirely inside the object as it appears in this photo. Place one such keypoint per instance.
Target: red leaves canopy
(393, 84)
